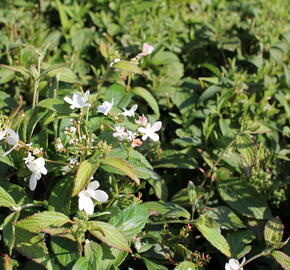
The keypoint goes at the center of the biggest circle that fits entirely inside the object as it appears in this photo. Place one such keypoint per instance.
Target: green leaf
(128, 66)
(6, 75)
(181, 161)
(85, 171)
(130, 221)
(60, 195)
(226, 218)
(7, 160)
(147, 96)
(243, 197)
(65, 250)
(9, 230)
(37, 222)
(63, 16)
(273, 231)
(64, 74)
(55, 104)
(108, 234)
(122, 166)
(211, 231)
(186, 266)
(166, 209)
(112, 257)
(118, 93)
(247, 149)
(32, 246)
(153, 265)
(239, 242)
(24, 71)
(81, 264)
(209, 92)
(282, 259)
(5, 199)
(94, 253)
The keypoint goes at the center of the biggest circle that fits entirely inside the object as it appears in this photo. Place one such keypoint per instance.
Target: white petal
(68, 100)
(156, 126)
(144, 137)
(2, 134)
(39, 165)
(94, 185)
(228, 267)
(87, 94)
(154, 137)
(235, 265)
(243, 260)
(12, 137)
(33, 181)
(142, 130)
(9, 151)
(87, 204)
(100, 196)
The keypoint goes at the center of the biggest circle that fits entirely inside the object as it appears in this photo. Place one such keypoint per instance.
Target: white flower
(131, 135)
(78, 100)
(114, 61)
(11, 138)
(234, 264)
(147, 49)
(36, 166)
(142, 121)
(105, 108)
(85, 201)
(120, 133)
(149, 131)
(130, 112)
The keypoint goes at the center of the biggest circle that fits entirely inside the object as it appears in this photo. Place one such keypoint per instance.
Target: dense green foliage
(216, 184)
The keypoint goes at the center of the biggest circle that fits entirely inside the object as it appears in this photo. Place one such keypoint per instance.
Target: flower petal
(88, 205)
(154, 137)
(68, 100)
(33, 181)
(156, 126)
(100, 196)
(94, 185)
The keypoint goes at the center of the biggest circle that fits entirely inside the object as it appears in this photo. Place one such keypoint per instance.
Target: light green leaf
(166, 209)
(247, 149)
(81, 264)
(108, 234)
(131, 220)
(55, 104)
(209, 92)
(186, 266)
(37, 222)
(282, 259)
(5, 199)
(153, 265)
(94, 253)
(211, 231)
(63, 16)
(9, 230)
(85, 171)
(243, 197)
(112, 257)
(122, 166)
(64, 74)
(273, 231)
(147, 96)
(128, 66)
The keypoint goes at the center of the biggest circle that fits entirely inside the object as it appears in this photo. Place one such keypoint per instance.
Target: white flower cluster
(11, 137)
(234, 264)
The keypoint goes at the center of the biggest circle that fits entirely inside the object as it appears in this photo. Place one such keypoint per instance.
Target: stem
(128, 84)
(100, 84)
(56, 162)
(35, 93)
(261, 254)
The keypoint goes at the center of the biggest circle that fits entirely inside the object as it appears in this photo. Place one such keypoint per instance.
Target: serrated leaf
(243, 197)
(24, 71)
(211, 231)
(9, 230)
(128, 66)
(5, 199)
(108, 234)
(122, 166)
(147, 96)
(94, 253)
(153, 265)
(247, 149)
(186, 266)
(131, 220)
(81, 264)
(273, 231)
(55, 104)
(282, 259)
(85, 171)
(32, 246)
(64, 74)
(38, 222)
(66, 251)
(166, 209)
(112, 257)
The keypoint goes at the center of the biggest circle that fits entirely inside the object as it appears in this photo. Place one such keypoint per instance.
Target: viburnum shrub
(80, 171)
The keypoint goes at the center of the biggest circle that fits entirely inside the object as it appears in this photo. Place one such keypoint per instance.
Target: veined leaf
(211, 231)
(5, 199)
(273, 231)
(122, 166)
(282, 259)
(94, 253)
(247, 149)
(166, 209)
(186, 265)
(38, 222)
(9, 230)
(128, 66)
(108, 234)
(85, 171)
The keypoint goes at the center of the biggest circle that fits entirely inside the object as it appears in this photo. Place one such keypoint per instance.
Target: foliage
(210, 185)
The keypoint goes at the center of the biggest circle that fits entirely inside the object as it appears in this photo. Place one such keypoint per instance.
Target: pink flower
(147, 49)
(142, 121)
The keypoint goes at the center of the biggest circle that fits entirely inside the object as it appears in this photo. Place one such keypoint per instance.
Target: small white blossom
(130, 112)
(234, 264)
(149, 131)
(36, 166)
(131, 135)
(120, 133)
(147, 49)
(78, 100)
(114, 61)
(37, 151)
(11, 138)
(59, 146)
(105, 108)
(86, 196)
